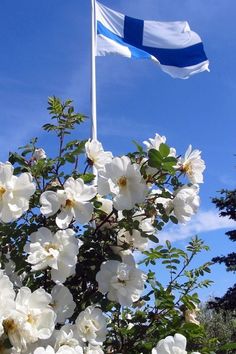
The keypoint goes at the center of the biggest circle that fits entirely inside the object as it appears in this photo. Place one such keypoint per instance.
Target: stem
(38, 183)
(61, 136)
(76, 162)
(86, 167)
(180, 272)
(103, 222)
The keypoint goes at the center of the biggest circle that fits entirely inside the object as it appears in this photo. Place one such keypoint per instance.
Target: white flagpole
(93, 73)
(93, 80)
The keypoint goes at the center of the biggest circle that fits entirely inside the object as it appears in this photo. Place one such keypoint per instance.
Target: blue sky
(46, 51)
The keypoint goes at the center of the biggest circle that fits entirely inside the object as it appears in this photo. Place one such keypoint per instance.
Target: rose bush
(80, 255)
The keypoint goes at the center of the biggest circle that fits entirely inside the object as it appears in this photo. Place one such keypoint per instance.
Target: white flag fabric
(178, 50)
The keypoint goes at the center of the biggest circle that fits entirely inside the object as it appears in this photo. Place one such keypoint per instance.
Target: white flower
(58, 251)
(62, 350)
(126, 255)
(62, 302)
(192, 165)
(132, 239)
(15, 193)
(31, 319)
(41, 350)
(69, 350)
(186, 202)
(73, 201)
(40, 316)
(130, 326)
(13, 276)
(167, 204)
(93, 349)
(171, 345)
(122, 283)
(15, 330)
(124, 181)
(67, 336)
(91, 325)
(145, 224)
(7, 296)
(39, 154)
(156, 142)
(31, 347)
(190, 316)
(96, 154)
(106, 206)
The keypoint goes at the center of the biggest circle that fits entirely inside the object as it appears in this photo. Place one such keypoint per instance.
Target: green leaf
(87, 178)
(168, 166)
(174, 219)
(155, 158)
(165, 218)
(153, 238)
(139, 147)
(171, 159)
(164, 150)
(27, 151)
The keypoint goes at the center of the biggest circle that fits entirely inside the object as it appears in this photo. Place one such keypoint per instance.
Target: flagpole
(93, 81)
(93, 73)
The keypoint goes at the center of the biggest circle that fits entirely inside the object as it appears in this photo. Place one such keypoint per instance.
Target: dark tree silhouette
(226, 204)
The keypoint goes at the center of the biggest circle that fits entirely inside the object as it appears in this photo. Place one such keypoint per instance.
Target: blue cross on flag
(178, 50)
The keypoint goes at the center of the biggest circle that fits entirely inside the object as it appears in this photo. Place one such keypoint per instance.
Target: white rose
(91, 325)
(124, 182)
(171, 345)
(121, 282)
(156, 142)
(73, 202)
(58, 251)
(15, 193)
(95, 153)
(186, 202)
(192, 165)
(39, 154)
(62, 302)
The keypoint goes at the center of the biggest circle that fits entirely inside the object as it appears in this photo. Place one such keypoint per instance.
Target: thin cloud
(204, 221)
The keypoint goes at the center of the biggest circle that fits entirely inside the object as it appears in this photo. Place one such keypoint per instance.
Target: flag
(178, 50)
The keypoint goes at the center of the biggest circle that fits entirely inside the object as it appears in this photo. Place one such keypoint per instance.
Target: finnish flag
(178, 50)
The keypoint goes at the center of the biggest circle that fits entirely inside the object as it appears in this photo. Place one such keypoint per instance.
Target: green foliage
(220, 330)
(161, 160)
(226, 204)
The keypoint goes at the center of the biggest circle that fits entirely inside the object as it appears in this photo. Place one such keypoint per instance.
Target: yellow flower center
(87, 328)
(122, 181)
(69, 203)
(9, 325)
(187, 168)
(31, 319)
(49, 246)
(2, 191)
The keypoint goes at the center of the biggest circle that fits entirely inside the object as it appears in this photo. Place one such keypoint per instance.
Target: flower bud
(39, 154)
